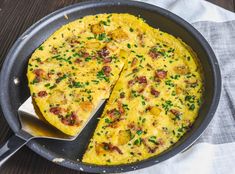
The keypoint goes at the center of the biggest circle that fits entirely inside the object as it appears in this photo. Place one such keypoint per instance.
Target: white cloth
(214, 152)
(194, 10)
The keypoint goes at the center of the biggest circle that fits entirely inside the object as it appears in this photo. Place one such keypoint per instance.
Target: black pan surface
(15, 66)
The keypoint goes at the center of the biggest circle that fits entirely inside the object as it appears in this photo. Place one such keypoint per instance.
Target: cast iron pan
(15, 65)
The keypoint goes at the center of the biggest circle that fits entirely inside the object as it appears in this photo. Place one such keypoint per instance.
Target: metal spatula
(34, 126)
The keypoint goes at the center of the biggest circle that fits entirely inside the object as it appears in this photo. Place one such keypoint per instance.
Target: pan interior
(15, 67)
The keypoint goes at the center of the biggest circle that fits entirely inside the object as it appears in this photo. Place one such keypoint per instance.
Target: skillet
(15, 66)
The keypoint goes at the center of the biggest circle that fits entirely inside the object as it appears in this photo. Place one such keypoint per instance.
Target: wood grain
(227, 4)
(15, 18)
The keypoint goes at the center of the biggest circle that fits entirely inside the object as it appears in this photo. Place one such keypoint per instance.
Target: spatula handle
(10, 147)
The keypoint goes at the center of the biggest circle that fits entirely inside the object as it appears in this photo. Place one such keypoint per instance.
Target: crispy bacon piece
(54, 50)
(133, 126)
(135, 70)
(70, 120)
(142, 79)
(150, 149)
(148, 108)
(141, 38)
(153, 53)
(104, 52)
(114, 113)
(59, 73)
(159, 142)
(42, 93)
(134, 62)
(131, 83)
(122, 95)
(78, 60)
(120, 108)
(73, 41)
(107, 60)
(142, 89)
(40, 73)
(85, 54)
(175, 112)
(110, 147)
(154, 92)
(107, 70)
(161, 74)
(55, 110)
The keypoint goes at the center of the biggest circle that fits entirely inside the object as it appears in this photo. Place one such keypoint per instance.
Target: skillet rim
(5, 101)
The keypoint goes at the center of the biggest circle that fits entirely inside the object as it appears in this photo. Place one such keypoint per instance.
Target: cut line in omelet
(151, 79)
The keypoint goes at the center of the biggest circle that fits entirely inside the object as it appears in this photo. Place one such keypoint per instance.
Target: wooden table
(15, 18)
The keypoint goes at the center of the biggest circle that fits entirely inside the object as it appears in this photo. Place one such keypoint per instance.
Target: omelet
(152, 80)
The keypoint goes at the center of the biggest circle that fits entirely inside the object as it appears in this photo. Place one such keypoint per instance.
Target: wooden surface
(15, 17)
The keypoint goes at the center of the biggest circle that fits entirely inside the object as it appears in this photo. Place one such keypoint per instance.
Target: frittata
(152, 80)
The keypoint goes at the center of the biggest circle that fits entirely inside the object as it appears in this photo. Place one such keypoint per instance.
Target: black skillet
(15, 65)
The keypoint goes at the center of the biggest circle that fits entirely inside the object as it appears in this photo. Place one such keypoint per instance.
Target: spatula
(33, 126)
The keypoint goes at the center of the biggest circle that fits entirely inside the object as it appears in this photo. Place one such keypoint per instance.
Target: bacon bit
(110, 147)
(107, 60)
(107, 70)
(122, 95)
(156, 79)
(73, 41)
(135, 70)
(114, 113)
(78, 60)
(160, 141)
(188, 123)
(49, 74)
(161, 74)
(54, 50)
(55, 110)
(148, 108)
(153, 53)
(42, 93)
(142, 89)
(39, 74)
(134, 62)
(150, 149)
(85, 54)
(120, 108)
(175, 112)
(131, 83)
(133, 126)
(70, 120)
(115, 148)
(141, 38)
(104, 52)
(59, 74)
(154, 92)
(142, 79)
(114, 123)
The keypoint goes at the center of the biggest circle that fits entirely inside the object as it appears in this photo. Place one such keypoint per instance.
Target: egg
(152, 81)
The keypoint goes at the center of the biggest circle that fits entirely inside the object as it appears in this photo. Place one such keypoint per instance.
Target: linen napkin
(214, 151)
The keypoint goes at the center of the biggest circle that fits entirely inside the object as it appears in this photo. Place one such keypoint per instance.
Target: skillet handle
(12, 145)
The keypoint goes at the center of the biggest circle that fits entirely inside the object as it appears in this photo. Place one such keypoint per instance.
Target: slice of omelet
(72, 71)
(155, 100)
(154, 80)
